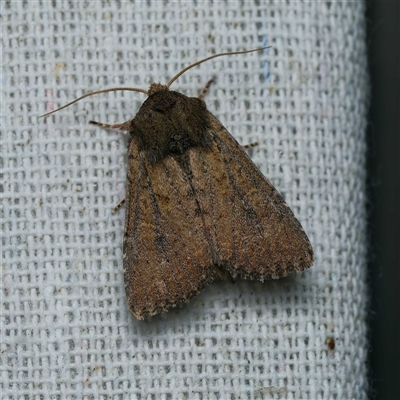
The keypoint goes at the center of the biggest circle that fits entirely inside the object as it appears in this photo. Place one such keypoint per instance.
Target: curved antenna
(92, 94)
(210, 58)
(146, 91)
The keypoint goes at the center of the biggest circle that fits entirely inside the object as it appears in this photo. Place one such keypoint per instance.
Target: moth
(197, 208)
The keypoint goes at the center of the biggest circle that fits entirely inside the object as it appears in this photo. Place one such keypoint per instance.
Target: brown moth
(197, 207)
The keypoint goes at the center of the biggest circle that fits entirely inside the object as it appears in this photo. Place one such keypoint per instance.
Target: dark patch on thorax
(169, 123)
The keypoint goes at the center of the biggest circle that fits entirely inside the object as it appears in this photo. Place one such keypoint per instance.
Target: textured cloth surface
(66, 330)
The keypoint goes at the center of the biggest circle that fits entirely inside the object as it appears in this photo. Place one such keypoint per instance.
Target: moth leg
(205, 90)
(125, 126)
(118, 206)
(250, 145)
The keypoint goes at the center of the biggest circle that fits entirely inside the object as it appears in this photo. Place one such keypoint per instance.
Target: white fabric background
(66, 331)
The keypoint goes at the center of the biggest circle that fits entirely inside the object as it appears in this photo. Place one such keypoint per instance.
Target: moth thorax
(157, 87)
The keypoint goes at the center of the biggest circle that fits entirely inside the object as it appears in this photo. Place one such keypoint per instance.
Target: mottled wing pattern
(169, 259)
(254, 233)
(211, 207)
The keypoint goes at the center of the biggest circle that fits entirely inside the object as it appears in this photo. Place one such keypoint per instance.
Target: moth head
(154, 87)
(157, 87)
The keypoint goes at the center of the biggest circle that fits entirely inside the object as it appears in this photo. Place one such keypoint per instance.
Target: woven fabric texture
(66, 330)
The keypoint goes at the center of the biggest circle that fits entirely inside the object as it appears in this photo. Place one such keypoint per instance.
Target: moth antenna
(210, 58)
(92, 94)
